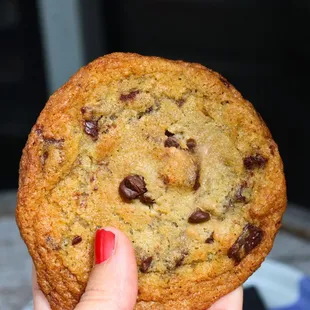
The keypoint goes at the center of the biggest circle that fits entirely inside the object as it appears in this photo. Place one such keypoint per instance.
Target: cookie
(170, 153)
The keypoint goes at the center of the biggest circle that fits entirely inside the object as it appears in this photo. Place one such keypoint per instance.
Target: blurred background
(261, 47)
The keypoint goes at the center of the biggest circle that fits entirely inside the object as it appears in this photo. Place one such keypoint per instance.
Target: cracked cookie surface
(168, 152)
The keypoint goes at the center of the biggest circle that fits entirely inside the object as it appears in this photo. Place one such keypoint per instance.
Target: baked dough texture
(170, 153)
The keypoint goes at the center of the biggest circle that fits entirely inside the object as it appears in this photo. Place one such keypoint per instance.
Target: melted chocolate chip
(210, 239)
(52, 244)
(39, 131)
(250, 238)
(132, 187)
(165, 179)
(91, 129)
(149, 110)
(129, 96)
(147, 200)
(238, 195)
(113, 117)
(145, 264)
(57, 142)
(180, 260)
(255, 161)
(224, 102)
(172, 142)
(272, 149)
(76, 240)
(44, 157)
(199, 216)
(168, 133)
(197, 180)
(224, 81)
(254, 238)
(180, 102)
(191, 144)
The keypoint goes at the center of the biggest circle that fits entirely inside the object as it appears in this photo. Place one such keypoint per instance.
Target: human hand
(113, 283)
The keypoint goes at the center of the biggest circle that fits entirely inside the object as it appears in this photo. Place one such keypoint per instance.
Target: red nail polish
(104, 245)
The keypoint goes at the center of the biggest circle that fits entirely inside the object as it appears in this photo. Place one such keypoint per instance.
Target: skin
(108, 286)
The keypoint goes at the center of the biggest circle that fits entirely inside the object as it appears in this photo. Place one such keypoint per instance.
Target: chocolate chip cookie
(170, 153)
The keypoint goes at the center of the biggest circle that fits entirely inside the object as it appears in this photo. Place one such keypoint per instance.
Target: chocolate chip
(250, 237)
(224, 81)
(199, 216)
(180, 102)
(146, 263)
(83, 110)
(224, 102)
(76, 240)
(255, 161)
(254, 239)
(44, 157)
(180, 260)
(113, 117)
(57, 142)
(210, 239)
(91, 129)
(52, 244)
(272, 149)
(39, 131)
(191, 144)
(149, 110)
(147, 200)
(129, 96)
(197, 180)
(132, 187)
(168, 133)
(238, 195)
(172, 142)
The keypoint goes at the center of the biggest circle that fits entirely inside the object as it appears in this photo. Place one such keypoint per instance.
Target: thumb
(113, 283)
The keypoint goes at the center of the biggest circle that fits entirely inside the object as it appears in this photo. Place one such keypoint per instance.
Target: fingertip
(231, 301)
(113, 283)
(39, 300)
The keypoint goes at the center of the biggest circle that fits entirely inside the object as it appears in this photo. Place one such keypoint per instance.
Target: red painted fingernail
(104, 245)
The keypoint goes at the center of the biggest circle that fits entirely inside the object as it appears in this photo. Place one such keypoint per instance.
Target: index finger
(232, 301)
(39, 300)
